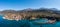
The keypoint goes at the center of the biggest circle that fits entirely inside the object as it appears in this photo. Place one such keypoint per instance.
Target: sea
(26, 23)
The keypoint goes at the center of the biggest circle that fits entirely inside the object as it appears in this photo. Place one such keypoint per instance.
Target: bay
(25, 23)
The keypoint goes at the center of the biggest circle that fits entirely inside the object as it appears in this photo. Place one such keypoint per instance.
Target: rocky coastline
(30, 14)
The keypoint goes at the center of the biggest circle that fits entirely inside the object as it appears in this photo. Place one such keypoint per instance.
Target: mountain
(40, 11)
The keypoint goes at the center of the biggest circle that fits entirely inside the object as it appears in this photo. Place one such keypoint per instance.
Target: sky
(23, 4)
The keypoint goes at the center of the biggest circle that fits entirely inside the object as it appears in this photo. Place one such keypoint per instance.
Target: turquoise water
(26, 23)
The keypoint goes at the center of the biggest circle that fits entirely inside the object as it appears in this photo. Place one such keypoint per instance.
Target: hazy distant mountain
(33, 10)
(29, 10)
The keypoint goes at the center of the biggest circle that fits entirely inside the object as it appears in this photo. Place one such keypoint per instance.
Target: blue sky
(23, 4)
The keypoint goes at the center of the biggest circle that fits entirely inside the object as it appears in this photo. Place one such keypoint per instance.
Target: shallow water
(25, 23)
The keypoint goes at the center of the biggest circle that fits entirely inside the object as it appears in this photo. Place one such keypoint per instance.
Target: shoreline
(7, 18)
(49, 21)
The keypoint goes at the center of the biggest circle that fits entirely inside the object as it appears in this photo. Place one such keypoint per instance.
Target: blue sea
(26, 23)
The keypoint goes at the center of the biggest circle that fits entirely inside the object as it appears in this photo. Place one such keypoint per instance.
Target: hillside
(42, 12)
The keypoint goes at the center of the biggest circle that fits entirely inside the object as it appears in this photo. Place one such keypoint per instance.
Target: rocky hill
(52, 12)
